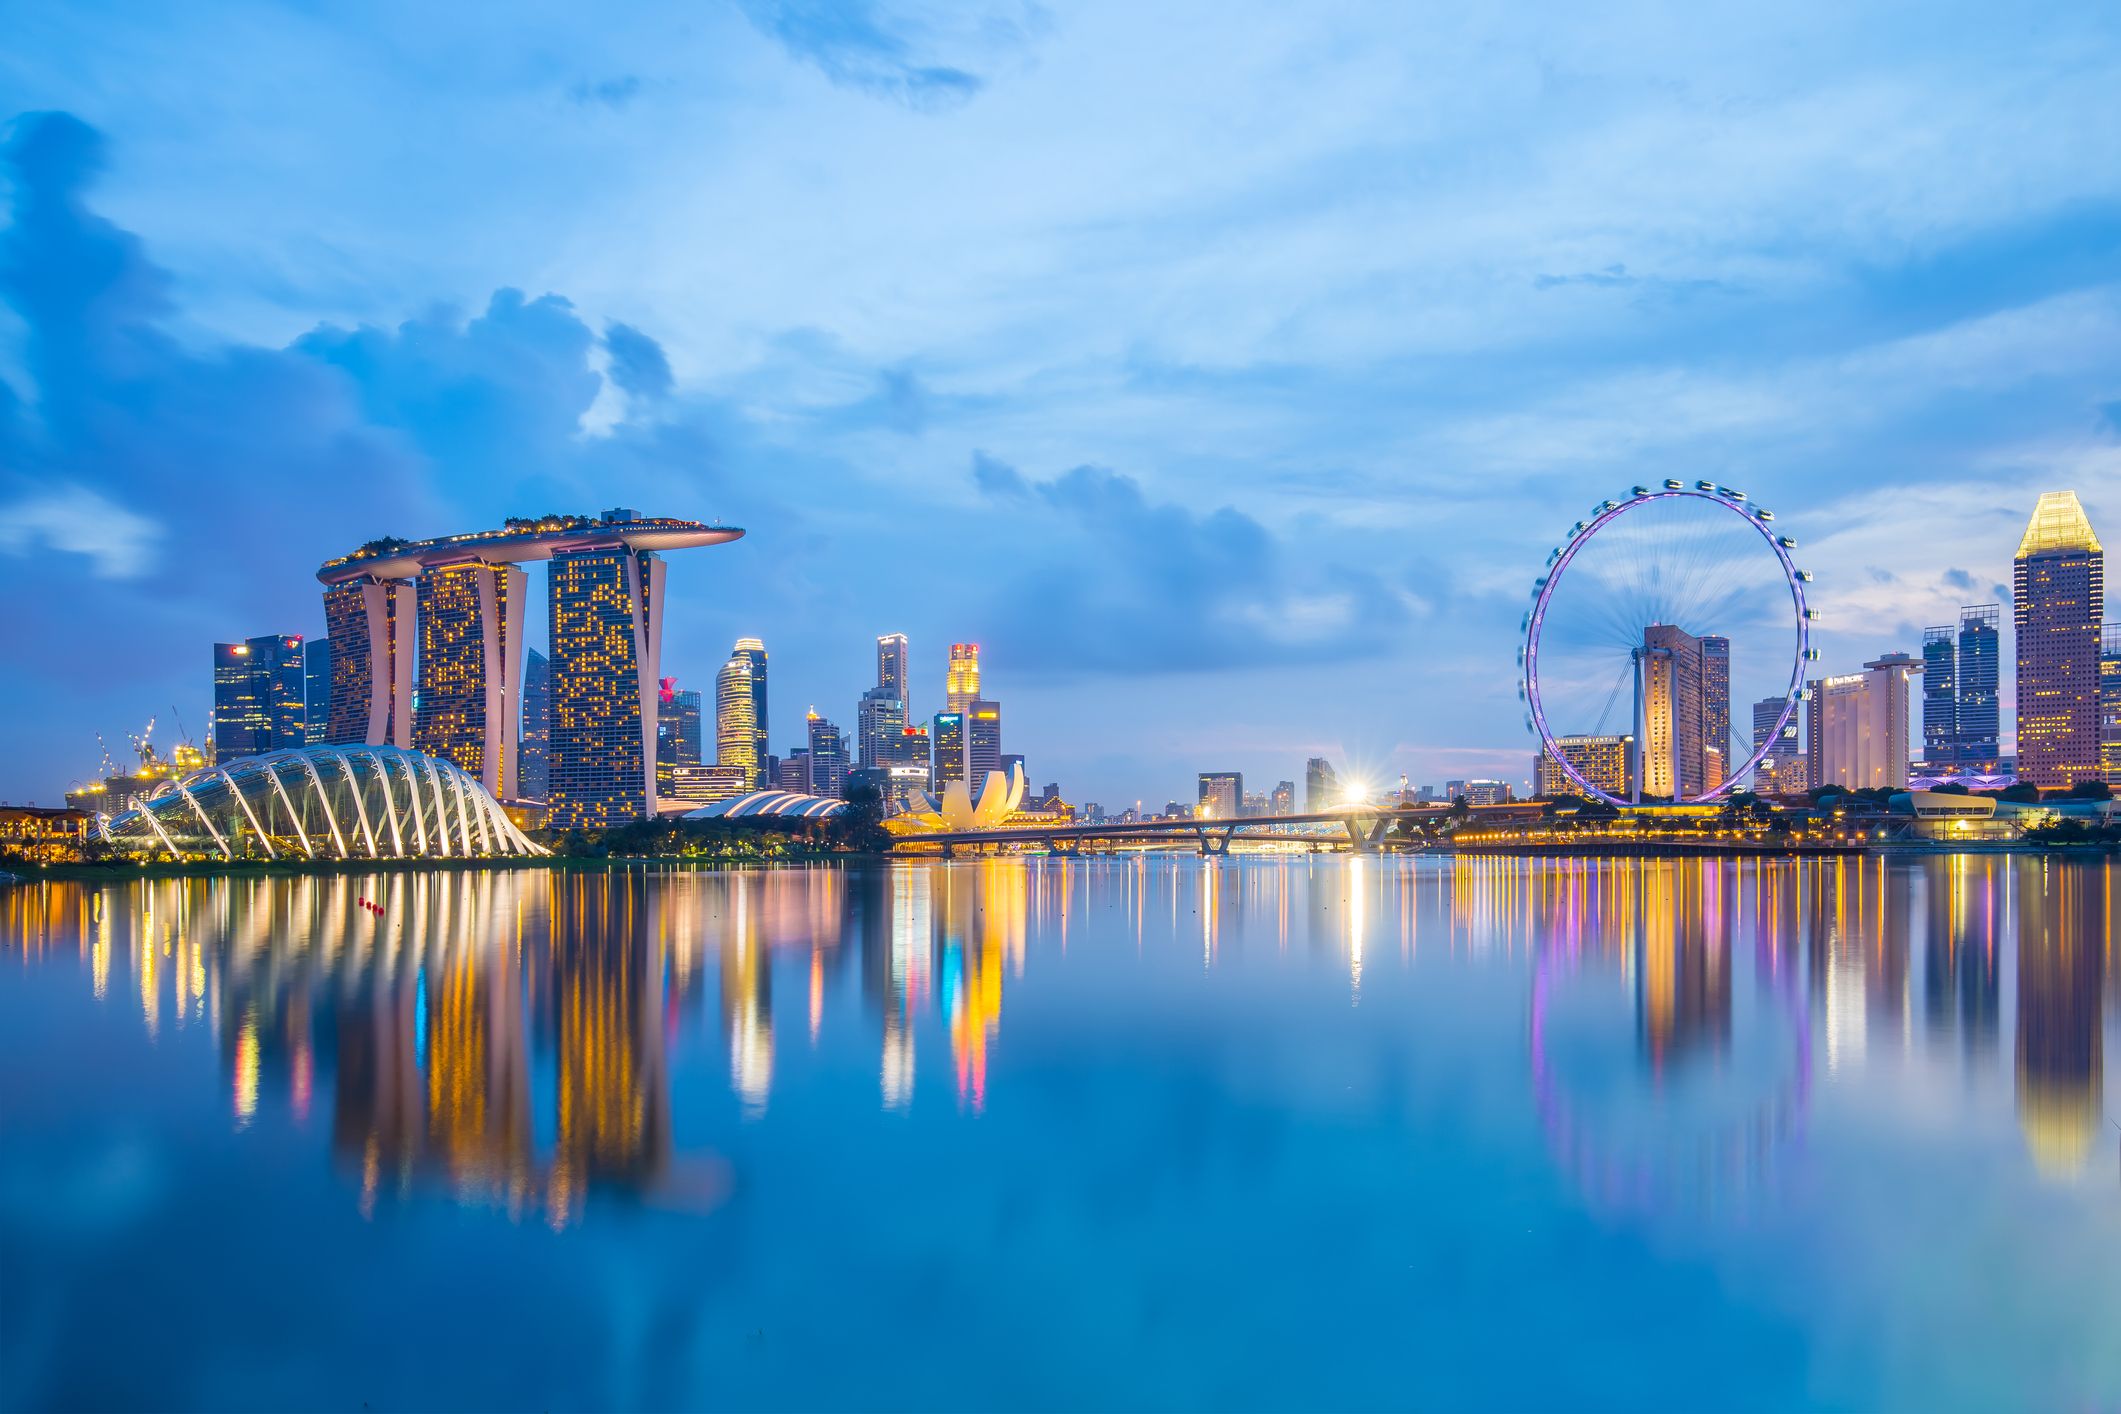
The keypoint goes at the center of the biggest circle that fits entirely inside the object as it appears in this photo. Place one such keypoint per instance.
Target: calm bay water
(1317, 1132)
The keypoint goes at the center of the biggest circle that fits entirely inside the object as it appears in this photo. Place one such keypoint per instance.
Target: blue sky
(1227, 371)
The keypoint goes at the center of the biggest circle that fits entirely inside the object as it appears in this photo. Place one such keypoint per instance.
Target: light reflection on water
(1580, 1079)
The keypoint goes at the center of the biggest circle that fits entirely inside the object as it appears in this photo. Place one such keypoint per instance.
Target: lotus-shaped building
(320, 802)
(957, 810)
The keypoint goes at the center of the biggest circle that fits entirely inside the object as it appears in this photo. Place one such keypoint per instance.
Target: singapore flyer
(1665, 650)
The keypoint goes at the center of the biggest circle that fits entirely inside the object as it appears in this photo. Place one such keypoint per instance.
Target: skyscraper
(1976, 674)
(828, 757)
(1321, 786)
(948, 763)
(1283, 800)
(316, 690)
(2110, 706)
(1940, 695)
(1959, 718)
(961, 682)
(259, 696)
(891, 664)
(606, 609)
(1222, 795)
(983, 741)
(1716, 710)
(677, 726)
(754, 652)
(469, 676)
(1673, 764)
(1860, 732)
(607, 633)
(1781, 768)
(372, 626)
(879, 722)
(2058, 601)
(534, 777)
(736, 737)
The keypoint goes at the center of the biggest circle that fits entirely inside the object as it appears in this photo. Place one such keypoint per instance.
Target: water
(1143, 1132)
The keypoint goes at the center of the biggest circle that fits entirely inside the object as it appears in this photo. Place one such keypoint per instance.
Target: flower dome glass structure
(321, 802)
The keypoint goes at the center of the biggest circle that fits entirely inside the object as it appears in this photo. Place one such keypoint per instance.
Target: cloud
(77, 521)
(1103, 579)
(638, 365)
(200, 483)
(886, 51)
(995, 477)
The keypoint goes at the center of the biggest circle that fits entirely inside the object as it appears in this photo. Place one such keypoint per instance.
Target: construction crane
(143, 743)
(110, 767)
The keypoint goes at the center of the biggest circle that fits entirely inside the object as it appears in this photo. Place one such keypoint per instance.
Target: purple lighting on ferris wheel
(1762, 522)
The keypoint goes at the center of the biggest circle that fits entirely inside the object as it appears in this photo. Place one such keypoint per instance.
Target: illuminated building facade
(677, 726)
(1222, 795)
(880, 721)
(983, 739)
(828, 758)
(961, 682)
(1282, 800)
(1669, 668)
(1716, 710)
(682, 788)
(1959, 676)
(1601, 760)
(948, 763)
(2110, 707)
(316, 690)
(468, 683)
(891, 665)
(753, 652)
(534, 775)
(1977, 674)
(372, 626)
(736, 737)
(1321, 786)
(2058, 604)
(606, 637)
(260, 695)
(606, 609)
(1781, 769)
(43, 834)
(1860, 736)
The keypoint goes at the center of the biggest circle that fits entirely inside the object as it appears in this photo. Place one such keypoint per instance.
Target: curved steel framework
(1605, 514)
(321, 802)
(769, 804)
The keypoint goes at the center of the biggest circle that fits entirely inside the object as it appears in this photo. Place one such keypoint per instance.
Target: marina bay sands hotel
(427, 652)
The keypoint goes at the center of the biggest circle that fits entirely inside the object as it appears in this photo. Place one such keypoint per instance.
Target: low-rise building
(43, 834)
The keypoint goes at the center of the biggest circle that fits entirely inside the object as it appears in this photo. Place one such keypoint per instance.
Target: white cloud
(75, 520)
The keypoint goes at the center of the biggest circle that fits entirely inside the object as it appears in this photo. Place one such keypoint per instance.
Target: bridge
(1362, 829)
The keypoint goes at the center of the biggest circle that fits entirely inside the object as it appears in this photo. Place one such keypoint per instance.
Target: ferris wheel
(1682, 602)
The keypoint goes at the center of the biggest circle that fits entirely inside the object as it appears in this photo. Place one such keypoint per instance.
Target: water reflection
(507, 1036)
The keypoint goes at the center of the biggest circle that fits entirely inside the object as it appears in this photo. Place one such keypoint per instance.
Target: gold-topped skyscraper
(736, 737)
(2059, 597)
(961, 684)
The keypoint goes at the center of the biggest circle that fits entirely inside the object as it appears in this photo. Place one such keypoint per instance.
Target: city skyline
(1184, 478)
(465, 615)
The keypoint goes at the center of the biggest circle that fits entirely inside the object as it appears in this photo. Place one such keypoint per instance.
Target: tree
(861, 825)
(2023, 793)
(1951, 788)
(2089, 790)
